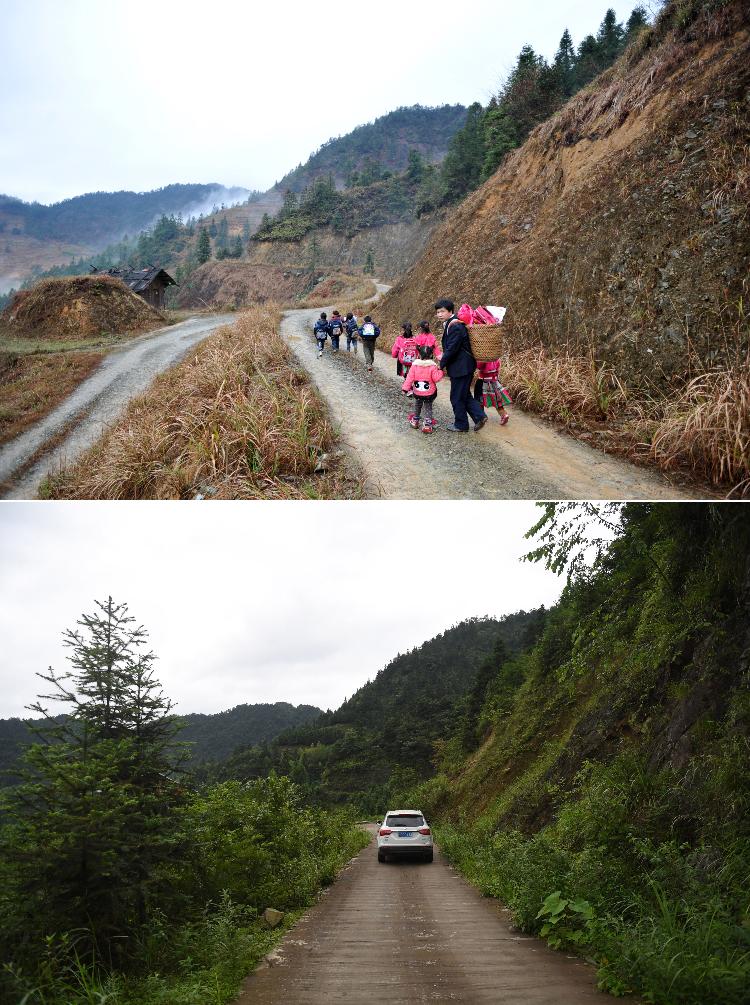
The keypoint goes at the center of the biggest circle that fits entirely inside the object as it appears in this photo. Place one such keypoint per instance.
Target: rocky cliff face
(621, 226)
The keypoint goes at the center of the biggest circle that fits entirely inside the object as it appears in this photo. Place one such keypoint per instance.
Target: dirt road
(80, 419)
(406, 932)
(527, 459)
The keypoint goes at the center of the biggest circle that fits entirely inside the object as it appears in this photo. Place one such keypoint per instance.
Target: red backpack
(408, 352)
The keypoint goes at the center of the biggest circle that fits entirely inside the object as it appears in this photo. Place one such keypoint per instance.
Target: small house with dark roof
(149, 283)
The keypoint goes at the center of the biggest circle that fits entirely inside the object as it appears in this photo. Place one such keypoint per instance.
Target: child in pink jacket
(405, 350)
(421, 380)
(488, 387)
(425, 337)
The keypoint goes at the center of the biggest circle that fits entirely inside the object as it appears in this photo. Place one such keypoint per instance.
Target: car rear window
(405, 820)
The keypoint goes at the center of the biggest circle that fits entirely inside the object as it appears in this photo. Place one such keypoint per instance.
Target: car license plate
(406, 834)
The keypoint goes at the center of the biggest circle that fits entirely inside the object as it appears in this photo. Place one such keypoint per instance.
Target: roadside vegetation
(121, 880)
(597, 783)
(238, 419)
(32, 384)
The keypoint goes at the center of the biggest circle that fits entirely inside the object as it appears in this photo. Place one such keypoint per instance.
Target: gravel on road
(526, 459)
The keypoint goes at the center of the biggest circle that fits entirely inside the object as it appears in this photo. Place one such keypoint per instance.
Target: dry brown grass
(237, 420)
(78, 307)
(32, 385)
(706, 428)
(563, 386)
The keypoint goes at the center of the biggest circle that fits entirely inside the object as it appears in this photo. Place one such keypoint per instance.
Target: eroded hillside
(621, 225)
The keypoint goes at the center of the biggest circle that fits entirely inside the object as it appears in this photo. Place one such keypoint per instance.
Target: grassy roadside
(37, 374)
(701, 430)
(32, 384)
(238, 419)
(238, 870)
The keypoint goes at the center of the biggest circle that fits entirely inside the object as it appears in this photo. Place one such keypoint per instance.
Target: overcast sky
(106, 95)
(257, 602)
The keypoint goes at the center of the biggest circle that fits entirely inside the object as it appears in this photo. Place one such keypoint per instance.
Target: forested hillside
(100, 217)
(385, 734)
(210, 737)
(382, 145)
(604, 774)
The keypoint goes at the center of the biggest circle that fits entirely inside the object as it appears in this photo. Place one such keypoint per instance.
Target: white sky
(257, 602)
(106, 95)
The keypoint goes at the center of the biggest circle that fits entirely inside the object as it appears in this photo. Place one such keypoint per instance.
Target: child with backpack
(405, 350)
(422, 380)
(488, 390)
(336, 327)
(368, 333)
(425, 337)
(321, 331)
(351, 332)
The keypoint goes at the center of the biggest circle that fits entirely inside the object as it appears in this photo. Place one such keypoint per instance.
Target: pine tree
(93, 824)
(610, 38)
(246, 231)
(415, 167)
(565, 63)
(369, 266)
(588, 61)
(462, 167)
(635, 23)
(236, 249)
(203, 249)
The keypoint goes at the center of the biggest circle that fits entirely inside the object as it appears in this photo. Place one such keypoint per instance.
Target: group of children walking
(417, 361)
(334, 328)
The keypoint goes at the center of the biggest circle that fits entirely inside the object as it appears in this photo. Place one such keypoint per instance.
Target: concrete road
(412, 932)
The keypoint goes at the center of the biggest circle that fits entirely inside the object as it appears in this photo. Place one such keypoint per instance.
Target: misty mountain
(96, 218)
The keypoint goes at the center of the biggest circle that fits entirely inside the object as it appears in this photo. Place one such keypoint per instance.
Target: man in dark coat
(459, 363)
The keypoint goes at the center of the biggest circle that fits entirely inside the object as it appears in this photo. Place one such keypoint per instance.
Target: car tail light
(384, 831)
(424, 830)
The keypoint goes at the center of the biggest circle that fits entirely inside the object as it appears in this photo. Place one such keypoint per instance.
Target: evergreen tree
(236, 249)
(203, 249)
(462, 167)
(369, 267)
(415, 167)
(246, 231)
(93, 824)
(500, 137)
(610, 38)
(213, 230)
(588, 62)
(222, 234)
(635, 23)
(290, 204)
(565, 64)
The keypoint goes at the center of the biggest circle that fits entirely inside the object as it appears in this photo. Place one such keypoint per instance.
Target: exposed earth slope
(621, 225)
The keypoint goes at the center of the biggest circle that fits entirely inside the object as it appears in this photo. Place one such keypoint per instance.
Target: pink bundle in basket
(480, 315)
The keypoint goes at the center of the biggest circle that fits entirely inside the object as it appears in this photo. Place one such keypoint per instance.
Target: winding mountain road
(411, 932)
(79, 421)
(527, 459)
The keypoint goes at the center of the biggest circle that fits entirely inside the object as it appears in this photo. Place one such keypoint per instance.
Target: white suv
(404, 832)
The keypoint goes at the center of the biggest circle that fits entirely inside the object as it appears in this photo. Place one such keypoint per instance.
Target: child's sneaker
(427, 427)
(414, 422)
(504, 419)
